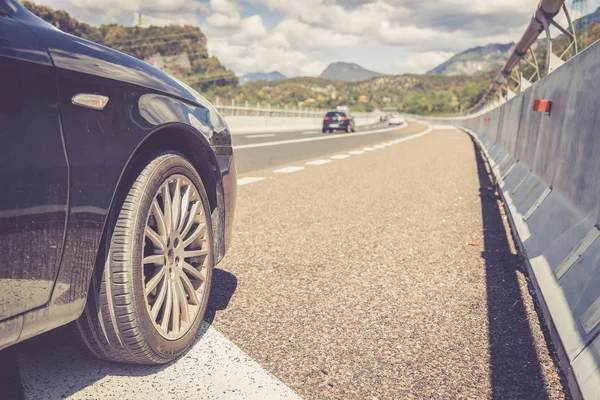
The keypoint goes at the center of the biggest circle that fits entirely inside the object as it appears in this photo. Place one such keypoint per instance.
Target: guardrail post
(232, 106)
(269, 110)
(246, 108)
(286, 111)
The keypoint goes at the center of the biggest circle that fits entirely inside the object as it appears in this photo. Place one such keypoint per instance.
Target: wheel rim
(176, 257)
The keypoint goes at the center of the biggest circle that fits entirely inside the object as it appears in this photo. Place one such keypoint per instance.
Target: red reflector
(487, 119)
(542, 106)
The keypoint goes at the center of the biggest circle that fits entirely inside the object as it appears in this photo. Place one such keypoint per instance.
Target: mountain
(476, 60)
(348, 72)
(586, 21)
(262, 76)
(179, 50)
(412, 93)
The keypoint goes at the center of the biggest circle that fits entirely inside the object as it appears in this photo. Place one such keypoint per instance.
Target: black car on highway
(338, 121)
(118, 193)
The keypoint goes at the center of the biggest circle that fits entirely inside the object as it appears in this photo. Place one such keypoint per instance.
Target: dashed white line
(288, 170)
(340, 157)
(318, 162)
(249, 179)
(356, 152)
(369, 149)
(379, 146)
(260, 135)
(443, 127)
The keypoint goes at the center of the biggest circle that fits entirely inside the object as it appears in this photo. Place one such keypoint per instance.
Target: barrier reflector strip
(581, 248)
(537, 203)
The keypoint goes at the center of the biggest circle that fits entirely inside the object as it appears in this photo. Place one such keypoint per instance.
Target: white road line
(249, 179)
(379, 146)
(356, 152)
(318, 162)
(340, 156)
(369, 149)
(309, 133)
(328, 137)
(443, 127)
(214, 368)
(261, 135)
(288, 170)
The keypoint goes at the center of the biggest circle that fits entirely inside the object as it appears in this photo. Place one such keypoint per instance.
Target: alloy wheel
(176, 257)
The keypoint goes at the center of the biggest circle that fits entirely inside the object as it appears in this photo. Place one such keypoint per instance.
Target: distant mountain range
(476, 60)
(587, 20)
(262, 76)
(348, 72)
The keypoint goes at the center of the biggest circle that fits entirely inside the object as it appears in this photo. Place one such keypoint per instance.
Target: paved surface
(365, 270)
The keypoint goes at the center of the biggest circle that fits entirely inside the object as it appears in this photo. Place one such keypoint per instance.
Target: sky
(301, 37)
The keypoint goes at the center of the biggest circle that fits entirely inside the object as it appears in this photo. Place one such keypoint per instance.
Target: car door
(33, 170)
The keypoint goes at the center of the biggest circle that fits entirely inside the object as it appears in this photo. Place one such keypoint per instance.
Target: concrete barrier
(240, 125)
(548, 172)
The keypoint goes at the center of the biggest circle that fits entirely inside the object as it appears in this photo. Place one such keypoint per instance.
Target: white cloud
(260, 57)
(137, 5)
(312, 31)
(421, 62)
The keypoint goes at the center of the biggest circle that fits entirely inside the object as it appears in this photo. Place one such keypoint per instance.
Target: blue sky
(300, 38)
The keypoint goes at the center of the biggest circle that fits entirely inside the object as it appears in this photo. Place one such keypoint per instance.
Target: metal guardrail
(247, 109)
(523, 52)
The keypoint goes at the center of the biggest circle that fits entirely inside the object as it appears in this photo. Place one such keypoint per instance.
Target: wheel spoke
(176, 204)
(195, 235)
(155, 238)
(185, 311)
(155, 259)
(158, 303)
(191, 218)
(167, 311)
(153, 283)
(176, 310)
(185, 202)
(189, 288)
(168, 207)
(160, 220)
(198, 275)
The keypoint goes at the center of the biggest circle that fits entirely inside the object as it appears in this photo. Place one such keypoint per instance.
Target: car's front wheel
(149, 294)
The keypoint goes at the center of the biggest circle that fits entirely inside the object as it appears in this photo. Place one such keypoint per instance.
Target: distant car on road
(338, 121)
(119, 185)
(396, 120)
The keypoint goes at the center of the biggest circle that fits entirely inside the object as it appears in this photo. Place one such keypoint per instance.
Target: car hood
(79, 55)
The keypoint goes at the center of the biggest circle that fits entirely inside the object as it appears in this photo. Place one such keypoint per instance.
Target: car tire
(323, 130)
(124, 318)
(331, 131)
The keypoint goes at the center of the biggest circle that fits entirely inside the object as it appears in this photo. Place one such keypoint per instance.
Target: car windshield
(336, 114)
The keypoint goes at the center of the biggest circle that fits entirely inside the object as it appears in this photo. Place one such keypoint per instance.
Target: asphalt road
(362, 267)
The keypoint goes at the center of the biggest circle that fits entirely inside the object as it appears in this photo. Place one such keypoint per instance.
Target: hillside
(179, 50)
(348, 72)
(424, 94)
(590, 19)
(262, 76)
(476, 60)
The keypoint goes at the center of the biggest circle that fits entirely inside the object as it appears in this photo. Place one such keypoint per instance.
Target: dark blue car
(118, 191)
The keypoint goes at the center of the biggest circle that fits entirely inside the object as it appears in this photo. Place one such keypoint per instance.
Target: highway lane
(251, 138)
(380, 268)
(302, 147)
